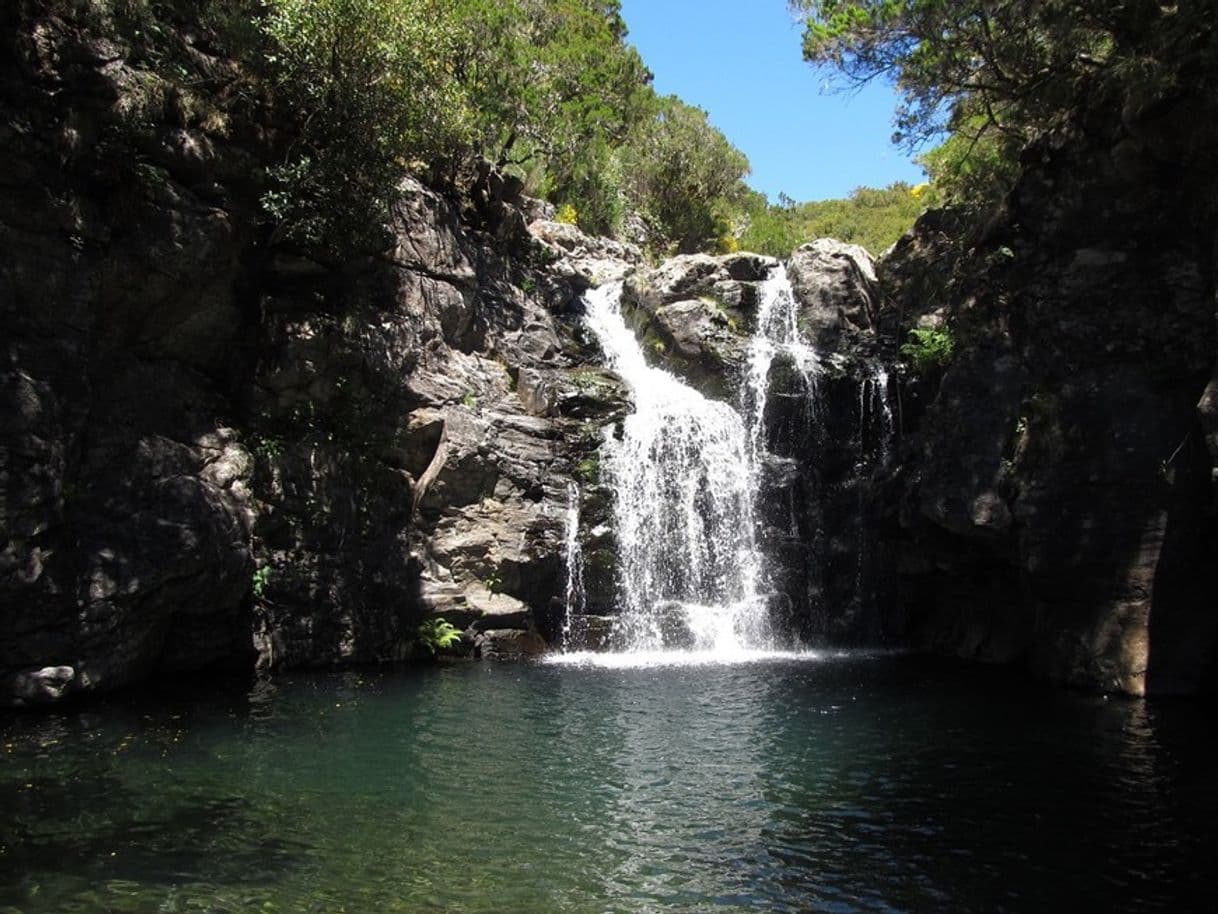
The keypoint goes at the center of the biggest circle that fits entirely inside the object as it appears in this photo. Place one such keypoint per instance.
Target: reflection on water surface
(814, 782)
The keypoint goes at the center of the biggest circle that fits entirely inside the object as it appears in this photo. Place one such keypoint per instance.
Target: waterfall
(685, 483)
(574, 596)
(875, 412)
(686, 475)
(775, 332)
(890, 425)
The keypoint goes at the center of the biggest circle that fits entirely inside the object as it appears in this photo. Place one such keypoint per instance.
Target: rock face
(836, 287)
(1056, 497)
(419, 433)
(833, 447)
(124, 537)
(693, 314)
(215, 449)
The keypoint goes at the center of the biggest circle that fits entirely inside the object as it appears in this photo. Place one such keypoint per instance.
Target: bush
(872, 217)
(684, 175)
(929, 349)
(371, 84)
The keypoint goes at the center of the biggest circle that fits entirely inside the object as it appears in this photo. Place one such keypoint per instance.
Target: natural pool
(859, 782)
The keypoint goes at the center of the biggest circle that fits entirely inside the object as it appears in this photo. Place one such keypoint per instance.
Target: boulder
(585, 259)
(693, 314)
(835, 285)
(510, 644)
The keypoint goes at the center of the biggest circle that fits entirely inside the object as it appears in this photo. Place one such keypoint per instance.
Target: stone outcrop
(693, 314)
(583, 259)
(1056, 497)
(837, 290)
(217, 449)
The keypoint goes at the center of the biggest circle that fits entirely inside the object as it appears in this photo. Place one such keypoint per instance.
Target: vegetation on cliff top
(362, 92)
(547, 89)
(873, 218)
(991, 75)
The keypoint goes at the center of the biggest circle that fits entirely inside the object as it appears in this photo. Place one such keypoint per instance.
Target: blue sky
(740, 60)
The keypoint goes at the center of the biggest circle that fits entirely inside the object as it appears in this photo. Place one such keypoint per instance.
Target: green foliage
(259, 581)
(435, 635)
(929, 349)
(973, 165)
(684, 175)
(873, 218)
(995, 73)
(547, 78)
(589, 469)
(363, 92)
(493, 582)
(371, 83)
(268, 447)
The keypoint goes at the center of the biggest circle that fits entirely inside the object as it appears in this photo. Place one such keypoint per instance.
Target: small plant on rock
(589, 469)
(929, 348)
(259, 581)
(435, 635)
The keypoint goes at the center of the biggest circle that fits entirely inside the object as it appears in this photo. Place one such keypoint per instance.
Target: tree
(370, 84)
(543, 76)
(682, 173)
(872, 217)
(994, 73)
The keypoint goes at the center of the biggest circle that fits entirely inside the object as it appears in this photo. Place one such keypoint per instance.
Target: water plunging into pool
(685, 472)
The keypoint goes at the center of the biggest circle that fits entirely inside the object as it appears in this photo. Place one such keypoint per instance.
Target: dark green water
(862, 783)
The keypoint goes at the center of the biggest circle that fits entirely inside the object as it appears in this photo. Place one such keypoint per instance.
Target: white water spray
(686, 473)
(684, 480)
(776, 333)
(889, 428)
(574, 596)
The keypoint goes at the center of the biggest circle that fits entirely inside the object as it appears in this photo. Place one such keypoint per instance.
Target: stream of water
(686, 474)
(691, 573)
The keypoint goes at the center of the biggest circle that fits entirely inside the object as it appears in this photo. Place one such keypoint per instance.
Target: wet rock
(692, 315)
(42, 686)
(510, 645)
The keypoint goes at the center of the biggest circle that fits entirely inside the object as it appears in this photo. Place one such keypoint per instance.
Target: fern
(435, 635)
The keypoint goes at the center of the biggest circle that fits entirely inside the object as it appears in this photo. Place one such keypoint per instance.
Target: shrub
(928, 349)
(371, 84)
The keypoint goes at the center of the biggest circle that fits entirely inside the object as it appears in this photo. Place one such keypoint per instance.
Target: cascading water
(691, 572)
(876, 434)
(874, 402)
(686, 473)
(776, 332)
(574, 597)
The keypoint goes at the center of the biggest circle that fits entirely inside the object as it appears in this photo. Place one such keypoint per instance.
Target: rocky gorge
(217, 449)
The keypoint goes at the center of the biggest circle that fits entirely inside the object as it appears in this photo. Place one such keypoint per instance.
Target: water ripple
(807, 782)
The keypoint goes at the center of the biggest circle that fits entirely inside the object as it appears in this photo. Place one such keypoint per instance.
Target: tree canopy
(871, 217)
(547, 88)
(993, 73)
